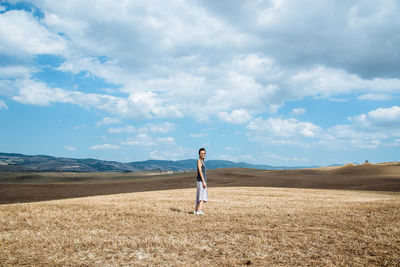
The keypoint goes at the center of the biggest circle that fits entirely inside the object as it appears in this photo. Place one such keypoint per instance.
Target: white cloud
(157, 128)
(147, 128)
(145, 140)
(256, 65)
(22, 33)
(108, 120)
(283, 128)
(354, 28)
(7, 88)
(3, 105)
(37, 93)
(124, 129)
(139, 140)
(177, 153)
(273, 108)
(166, 140)
(240, 91)
(375, 97)
(325, 82)
(391, 114)
(379, 127)
(238, 116)
(104, 147)
(142, 105)
(299, 111)
(150, 104)
(381, 118)
(70, 148)
(347, 137)
(10, 74)
(16, 71)
(174, 59)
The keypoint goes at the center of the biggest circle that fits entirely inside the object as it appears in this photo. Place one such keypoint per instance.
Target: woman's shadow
(179, 210)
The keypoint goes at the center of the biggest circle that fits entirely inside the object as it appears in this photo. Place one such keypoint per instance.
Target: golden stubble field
(258, 226)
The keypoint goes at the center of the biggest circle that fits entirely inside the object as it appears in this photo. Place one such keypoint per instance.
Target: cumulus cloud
(297, 39)
(324, 82)
(38, 93)
(108, 120)
(284, 128)
(379, 127)
(11, 73)
(173, 59)
(387, 118)
(160, 54)
(16, 71)
(22, 33)
(356, 36)
(142, 105)
(238, 116)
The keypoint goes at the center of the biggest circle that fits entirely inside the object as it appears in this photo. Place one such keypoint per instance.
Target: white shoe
(200, 212)
(195, 212)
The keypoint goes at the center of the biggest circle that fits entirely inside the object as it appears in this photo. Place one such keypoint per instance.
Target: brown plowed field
(30, 187)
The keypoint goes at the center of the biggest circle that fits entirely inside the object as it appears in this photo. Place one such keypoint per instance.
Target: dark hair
(202, 149)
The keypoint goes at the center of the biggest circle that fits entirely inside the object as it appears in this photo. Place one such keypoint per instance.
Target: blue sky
(271, 82)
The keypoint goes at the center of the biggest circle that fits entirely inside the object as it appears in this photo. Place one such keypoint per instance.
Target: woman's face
(202, 154)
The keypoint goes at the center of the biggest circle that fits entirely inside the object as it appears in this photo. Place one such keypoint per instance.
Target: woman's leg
(200, 205)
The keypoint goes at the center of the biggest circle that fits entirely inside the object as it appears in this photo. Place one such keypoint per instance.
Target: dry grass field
(242, 225)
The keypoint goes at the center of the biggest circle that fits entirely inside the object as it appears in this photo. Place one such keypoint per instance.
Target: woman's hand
(204, 185)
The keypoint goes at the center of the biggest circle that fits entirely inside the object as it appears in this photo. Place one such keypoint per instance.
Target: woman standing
(201, 192)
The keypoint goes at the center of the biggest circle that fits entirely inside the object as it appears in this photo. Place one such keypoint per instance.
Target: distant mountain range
(41, 163)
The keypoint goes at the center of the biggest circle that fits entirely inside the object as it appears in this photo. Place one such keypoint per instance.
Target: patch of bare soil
(28, 187)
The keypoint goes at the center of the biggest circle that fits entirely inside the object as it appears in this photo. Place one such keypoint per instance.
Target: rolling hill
(12, 162)
(39, 186)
